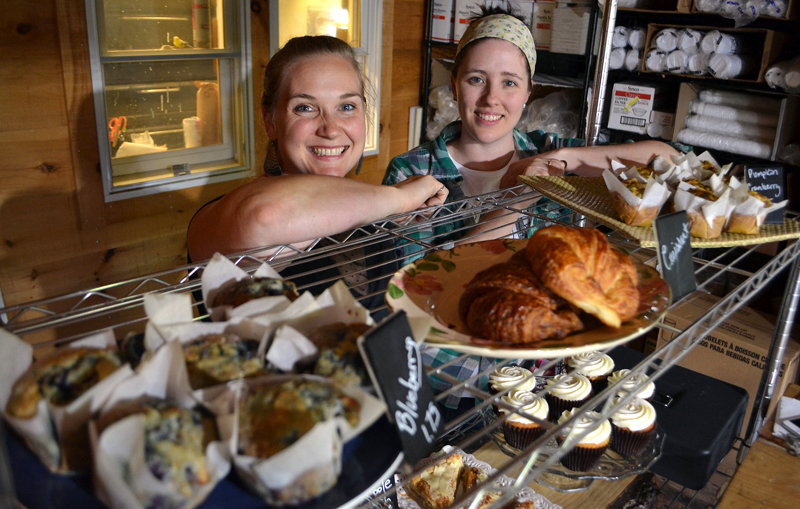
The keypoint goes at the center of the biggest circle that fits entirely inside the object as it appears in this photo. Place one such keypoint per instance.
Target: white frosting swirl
(527, 402)
(628, 386)
(570, 387)
(636, 415)
(517, 377)
(591, 364)
(601, 430)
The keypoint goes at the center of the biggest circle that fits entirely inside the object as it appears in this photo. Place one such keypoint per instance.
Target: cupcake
(632, 427)
(596, 366)
(627, 386)
(520, 431)
(566, 392)
(586, 454)
(515, 377)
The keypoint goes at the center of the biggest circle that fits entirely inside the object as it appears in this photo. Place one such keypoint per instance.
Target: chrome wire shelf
(120, 306)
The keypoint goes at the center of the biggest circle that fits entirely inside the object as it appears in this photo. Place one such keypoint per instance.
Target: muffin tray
(368, 460)
(612, 466)
(590, 197)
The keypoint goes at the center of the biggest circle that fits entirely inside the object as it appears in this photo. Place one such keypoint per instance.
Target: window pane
(153, 107)
(337, 18)
(136, 25)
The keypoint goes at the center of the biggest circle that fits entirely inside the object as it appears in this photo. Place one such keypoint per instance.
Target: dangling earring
(272, 166)
(358, 167)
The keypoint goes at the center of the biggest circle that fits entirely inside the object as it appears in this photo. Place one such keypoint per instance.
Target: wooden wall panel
(407, 55)
(56, 233)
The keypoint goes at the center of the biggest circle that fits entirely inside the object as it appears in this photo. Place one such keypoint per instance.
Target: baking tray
(590, 197)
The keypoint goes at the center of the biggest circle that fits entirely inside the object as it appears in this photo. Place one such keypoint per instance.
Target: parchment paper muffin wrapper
(655, 194)
(526, 494)
(221, 270)
(157, 334)
(120, 470)
(744, 204)
(684, 200)
(316, 455)
(290, 343)
(56, 434)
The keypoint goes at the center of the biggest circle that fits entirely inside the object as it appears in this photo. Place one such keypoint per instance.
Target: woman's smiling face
(491, 87)
(319, 122)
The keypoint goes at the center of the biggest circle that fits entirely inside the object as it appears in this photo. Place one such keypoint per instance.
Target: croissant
(507, 303)
(579, 265)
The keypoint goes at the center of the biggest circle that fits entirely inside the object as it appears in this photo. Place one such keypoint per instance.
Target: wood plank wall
(56, 233)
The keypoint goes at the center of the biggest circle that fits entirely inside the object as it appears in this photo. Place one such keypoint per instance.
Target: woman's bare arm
(291, 209)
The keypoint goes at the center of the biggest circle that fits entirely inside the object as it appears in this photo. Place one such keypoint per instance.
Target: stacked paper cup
(731, 121)
(690, 51)
(627, 44)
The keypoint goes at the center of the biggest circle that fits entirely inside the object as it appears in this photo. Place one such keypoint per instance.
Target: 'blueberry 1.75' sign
(395, 366)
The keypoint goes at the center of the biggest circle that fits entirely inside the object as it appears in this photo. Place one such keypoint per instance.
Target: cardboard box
(465, 10)
(786, 130)
(570, 29)
(443, 17)
(542, 23)
(632, 104)
(736, 351)
(764, 45)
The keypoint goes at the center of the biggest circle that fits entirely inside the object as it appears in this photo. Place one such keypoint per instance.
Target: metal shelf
(119, 306)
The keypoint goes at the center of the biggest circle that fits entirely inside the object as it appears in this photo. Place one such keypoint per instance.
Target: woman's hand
(422, 191)
(542, 165)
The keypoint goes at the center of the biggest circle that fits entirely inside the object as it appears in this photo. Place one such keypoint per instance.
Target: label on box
(465, 11)
(631, 105)
(569, 30)
(542, 23)
(443, 18)
(675, 253)
(395, 365)
(770, 181)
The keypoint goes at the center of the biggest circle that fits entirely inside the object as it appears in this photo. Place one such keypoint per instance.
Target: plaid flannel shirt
(433, 159)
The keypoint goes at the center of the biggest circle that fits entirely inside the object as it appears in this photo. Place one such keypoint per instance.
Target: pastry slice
(435, 488)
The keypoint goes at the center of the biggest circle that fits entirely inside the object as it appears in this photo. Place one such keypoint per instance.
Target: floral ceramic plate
(433, 286)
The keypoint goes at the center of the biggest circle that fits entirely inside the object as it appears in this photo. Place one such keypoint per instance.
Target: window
(357, 22)
(173, 100)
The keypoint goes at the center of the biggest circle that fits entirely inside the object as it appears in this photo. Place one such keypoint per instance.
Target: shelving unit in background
(552, 69)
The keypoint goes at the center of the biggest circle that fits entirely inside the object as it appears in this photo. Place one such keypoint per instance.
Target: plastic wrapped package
(739, 100)
(620, 37)
(774, 8)
(726, 67)
(785, 75)
(790, 154)
(637, 37)
(706, 124)
(737, 11)
(732, 113)
(677, 61)
(656, 60)
(697, 64)
(554, 113)
(616, 59)
(689, 40)
(665, 40)
(629, 4)
(716, 42)
(445, 110)
(633, 59)
(725, 143)
(708, 5)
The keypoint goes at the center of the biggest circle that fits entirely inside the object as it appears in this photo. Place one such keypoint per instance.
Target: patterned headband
(505, 27)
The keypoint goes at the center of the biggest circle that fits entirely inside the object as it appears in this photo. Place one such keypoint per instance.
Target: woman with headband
(491, 81)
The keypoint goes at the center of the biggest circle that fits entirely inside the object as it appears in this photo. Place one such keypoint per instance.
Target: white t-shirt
(481, 182)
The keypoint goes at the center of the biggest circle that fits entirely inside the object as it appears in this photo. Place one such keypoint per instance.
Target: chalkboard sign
(675, 253)
(770, 181)
(395, 366)
(379, 499)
